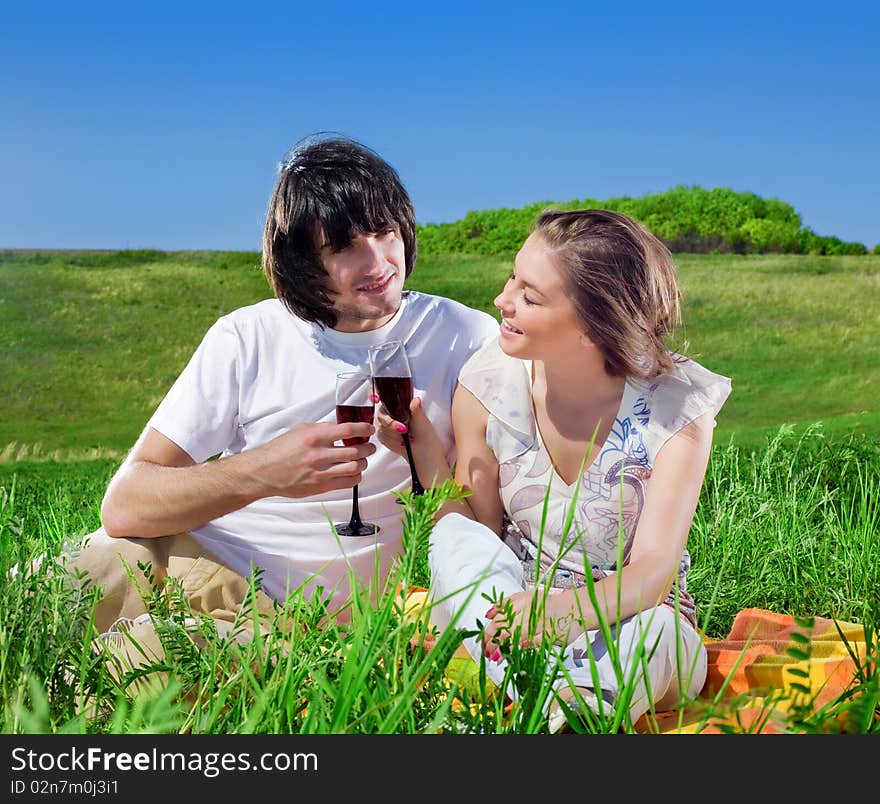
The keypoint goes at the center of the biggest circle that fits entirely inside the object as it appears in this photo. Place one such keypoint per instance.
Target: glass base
(357, 529)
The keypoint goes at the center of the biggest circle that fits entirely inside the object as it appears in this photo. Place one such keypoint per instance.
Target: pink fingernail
(524, 643)
(491, 612)
(496, 656)
(374, 398)
(401, 428)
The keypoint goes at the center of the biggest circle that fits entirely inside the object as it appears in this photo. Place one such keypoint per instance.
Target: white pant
(467, 560)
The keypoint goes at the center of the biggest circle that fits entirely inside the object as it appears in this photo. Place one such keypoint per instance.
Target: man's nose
(374, 250)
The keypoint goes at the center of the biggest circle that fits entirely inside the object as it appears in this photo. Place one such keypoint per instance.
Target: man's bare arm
(159, 489)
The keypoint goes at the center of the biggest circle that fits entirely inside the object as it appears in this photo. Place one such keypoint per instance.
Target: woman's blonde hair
(622, 281)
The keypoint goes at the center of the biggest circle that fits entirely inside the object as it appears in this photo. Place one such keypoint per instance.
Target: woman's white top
(606, 501)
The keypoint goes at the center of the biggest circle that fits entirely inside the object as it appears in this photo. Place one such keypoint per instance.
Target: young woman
(580, 406)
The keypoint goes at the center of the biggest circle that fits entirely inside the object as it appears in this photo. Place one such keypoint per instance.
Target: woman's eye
(527, 300)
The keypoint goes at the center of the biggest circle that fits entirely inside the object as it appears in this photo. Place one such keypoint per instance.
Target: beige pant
(209, 587)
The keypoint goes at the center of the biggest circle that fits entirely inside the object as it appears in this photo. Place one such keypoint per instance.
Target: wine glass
(354, 403)
(393, 381)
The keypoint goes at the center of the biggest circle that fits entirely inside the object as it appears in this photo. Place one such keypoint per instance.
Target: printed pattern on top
(559, 531)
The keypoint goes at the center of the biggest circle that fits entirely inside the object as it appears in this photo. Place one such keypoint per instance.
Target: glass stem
(417, 487)
(355, 521)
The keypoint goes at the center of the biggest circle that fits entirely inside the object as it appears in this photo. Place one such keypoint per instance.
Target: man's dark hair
(341, 188)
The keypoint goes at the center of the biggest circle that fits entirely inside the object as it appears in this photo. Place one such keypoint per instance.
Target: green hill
(687, 219)
(91, 341)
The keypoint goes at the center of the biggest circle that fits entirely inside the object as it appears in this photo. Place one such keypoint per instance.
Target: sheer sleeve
(677, 398)
(502, 385)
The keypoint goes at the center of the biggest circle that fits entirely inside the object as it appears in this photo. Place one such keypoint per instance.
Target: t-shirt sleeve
(488, 330)
(200, 411)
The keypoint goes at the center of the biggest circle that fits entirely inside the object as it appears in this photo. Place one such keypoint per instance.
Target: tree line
(686, 218)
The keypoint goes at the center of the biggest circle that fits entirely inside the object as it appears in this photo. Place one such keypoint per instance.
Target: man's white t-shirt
(259, 371)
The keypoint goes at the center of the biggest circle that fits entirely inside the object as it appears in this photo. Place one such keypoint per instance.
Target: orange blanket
(768, 664)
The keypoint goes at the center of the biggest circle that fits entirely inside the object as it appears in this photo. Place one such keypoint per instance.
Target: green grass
(796, 334)
(788, 518)
(791, 527)
(53, 498)
(90, 342)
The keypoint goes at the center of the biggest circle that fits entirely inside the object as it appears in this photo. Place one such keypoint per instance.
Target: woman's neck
(575, 403)
(576, 385)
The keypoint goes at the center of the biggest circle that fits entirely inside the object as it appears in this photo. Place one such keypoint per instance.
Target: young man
(241, 466)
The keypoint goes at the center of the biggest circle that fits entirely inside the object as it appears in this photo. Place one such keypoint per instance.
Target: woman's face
(538, 320)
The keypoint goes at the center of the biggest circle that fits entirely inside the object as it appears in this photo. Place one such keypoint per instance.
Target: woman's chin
(510, 345)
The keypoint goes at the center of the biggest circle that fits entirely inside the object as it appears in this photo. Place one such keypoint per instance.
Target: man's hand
(306, 461)
(159, 489)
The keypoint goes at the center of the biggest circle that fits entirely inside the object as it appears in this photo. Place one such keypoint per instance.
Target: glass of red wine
(392, 379)
(354, 403)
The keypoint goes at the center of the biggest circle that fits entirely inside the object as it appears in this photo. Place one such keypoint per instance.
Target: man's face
(365, 279)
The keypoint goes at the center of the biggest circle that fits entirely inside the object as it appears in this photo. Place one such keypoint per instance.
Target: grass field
(89, 342)
(798, 335)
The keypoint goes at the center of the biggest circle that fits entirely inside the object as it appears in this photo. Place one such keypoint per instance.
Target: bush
(765, 234)
(686, 218)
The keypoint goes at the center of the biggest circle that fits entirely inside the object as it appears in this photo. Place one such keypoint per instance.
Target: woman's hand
(427, 449)
(554, 614)
(422, 435)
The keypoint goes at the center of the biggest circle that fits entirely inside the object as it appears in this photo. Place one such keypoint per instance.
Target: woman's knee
(676, 651)
(460, 549)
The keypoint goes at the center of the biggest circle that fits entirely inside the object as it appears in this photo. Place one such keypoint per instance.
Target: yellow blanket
(769, 664)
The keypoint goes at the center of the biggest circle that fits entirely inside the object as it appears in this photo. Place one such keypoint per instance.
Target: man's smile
(377, 287)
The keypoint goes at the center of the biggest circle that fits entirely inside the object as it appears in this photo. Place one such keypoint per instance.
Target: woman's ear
(586, 341)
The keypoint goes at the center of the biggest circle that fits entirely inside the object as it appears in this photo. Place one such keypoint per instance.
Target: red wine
(354, 413)
(396, 393)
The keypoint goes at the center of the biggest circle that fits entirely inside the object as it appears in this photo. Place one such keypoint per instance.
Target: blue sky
(154, 124)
